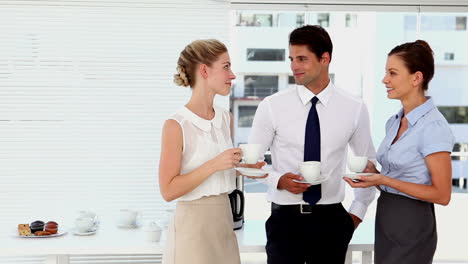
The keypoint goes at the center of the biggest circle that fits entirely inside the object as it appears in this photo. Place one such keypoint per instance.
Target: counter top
(110, 239)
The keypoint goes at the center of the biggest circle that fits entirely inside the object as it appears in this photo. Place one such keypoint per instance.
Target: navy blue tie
(312, 151)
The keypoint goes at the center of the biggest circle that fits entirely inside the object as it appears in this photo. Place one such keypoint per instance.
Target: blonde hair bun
(181, 77)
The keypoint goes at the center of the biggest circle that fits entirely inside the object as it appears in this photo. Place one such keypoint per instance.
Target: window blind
(354, 5)
(85, 87)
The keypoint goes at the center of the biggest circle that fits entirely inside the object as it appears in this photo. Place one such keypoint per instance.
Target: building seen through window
(255, 20)
(449, 56)
(455, 114)
(460, 23)
(269, 19)
(436, 22)
(351, 20)
(246, 115)
(300, 18)
(291, 80)
(260, 86)
(265, 54)
(323, 19)
(361, 42)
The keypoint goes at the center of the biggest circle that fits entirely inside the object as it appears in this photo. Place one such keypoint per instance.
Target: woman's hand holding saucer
(257, 165)
(366, 181)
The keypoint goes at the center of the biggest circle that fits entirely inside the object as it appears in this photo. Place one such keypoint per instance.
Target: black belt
(304, 208)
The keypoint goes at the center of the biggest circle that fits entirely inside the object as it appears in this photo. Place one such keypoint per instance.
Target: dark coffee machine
(237, 203)
(237, 207)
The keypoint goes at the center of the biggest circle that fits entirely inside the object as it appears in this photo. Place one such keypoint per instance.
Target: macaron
(37, 226)
(51, 224)
(51, 227)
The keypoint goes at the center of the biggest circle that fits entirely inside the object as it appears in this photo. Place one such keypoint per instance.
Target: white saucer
(59, 233)
(251, 172)
(78, 233)
(137, 225)
(354, 176)
(90, 232)
(312, 183)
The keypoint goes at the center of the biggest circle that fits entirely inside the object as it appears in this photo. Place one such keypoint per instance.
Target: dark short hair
(417, 56)
(315, 37)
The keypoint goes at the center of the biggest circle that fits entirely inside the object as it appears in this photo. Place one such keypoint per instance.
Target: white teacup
(251, 153)
(87, 214)
(357, 164)
(128, 217)
(153, 235)
(84, 224)
(310, 170)
(166, 218)
(153, 232)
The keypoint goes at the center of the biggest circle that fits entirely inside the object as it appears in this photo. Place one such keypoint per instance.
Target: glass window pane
(332, 77)
(300, 18)
(323, 19)
(250, 19)
(246, 115)
(449, 56)
(461, 23)
(260, 86)
(351, 20)
(265, 54)
(455, 114)
(449, 87)
(410, 22)
(263, 20)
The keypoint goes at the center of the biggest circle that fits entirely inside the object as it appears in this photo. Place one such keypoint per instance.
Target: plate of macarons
(39, 229)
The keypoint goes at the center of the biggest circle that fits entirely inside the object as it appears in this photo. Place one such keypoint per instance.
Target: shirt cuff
(358, 209)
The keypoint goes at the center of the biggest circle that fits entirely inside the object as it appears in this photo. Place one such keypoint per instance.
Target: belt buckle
(302, 209)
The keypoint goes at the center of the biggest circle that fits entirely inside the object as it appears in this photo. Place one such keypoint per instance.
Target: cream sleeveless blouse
(202, 141)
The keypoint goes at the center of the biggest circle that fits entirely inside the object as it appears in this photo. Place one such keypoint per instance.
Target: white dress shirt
(279, 124)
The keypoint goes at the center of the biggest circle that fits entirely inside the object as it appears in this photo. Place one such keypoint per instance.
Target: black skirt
(405, 230)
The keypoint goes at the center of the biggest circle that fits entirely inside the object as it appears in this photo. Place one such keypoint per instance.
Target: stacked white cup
(86, 221)
(153, 232)
(128, 218)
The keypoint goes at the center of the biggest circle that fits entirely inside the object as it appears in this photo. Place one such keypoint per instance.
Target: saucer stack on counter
(128, 218)
(86, 223)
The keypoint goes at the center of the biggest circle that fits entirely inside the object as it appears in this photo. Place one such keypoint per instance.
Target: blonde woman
(197, 161)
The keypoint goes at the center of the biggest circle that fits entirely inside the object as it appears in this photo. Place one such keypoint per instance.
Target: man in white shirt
(297, 130)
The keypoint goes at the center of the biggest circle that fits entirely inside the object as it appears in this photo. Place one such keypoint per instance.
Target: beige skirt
(201, 233)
